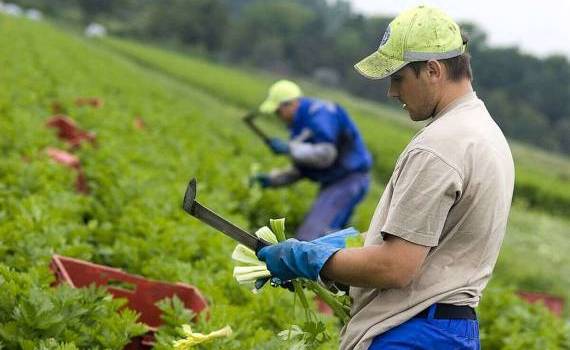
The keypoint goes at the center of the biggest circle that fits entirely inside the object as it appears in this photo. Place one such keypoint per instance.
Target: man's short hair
(458, 67)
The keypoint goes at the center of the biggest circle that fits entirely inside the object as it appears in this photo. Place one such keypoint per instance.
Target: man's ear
(435, 70)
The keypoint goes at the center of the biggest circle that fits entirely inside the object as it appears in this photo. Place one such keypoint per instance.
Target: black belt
(450, 312)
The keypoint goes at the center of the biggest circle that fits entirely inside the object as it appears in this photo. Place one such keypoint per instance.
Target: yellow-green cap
(279, 92)
(420, 34)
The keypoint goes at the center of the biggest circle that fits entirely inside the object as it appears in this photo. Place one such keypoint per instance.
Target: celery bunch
(249, 270)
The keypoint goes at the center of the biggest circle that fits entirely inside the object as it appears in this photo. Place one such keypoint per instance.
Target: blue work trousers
(334, 206)
(430, 334)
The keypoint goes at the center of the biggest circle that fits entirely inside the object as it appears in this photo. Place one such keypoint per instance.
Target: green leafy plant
(174, 315)
(508, 323)
(63, 317)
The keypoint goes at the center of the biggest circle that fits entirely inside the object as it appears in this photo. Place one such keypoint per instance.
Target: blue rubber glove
(279, 146)
(293, 259)
(262, 179)
(337, 239)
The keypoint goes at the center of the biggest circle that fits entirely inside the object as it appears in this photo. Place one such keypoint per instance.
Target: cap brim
(268, 107)
(379, 66)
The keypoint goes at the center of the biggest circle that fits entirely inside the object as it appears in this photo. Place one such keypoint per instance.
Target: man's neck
(452, 92)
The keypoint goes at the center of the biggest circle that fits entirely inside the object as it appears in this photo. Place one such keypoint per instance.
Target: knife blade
(248, 119)
(209, 217)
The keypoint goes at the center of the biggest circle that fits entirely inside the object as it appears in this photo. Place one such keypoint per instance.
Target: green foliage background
(132, 218)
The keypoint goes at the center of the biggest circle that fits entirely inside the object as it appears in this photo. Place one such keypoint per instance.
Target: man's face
(286, 111)
(417, 93)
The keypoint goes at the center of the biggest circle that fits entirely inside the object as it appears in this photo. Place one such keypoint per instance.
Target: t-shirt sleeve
(425, 188)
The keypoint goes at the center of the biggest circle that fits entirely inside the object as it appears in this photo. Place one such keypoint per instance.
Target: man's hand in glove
(293, 259)
(279, 146)
(262, 179)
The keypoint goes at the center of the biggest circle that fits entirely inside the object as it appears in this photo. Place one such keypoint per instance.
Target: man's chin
(413, 116)
(417, 117)
(410, 113)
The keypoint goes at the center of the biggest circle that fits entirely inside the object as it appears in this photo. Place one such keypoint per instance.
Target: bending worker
(325, 147)
(435, 236)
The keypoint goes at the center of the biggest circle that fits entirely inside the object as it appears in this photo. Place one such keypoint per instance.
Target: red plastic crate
(141, 293)
(552, 302)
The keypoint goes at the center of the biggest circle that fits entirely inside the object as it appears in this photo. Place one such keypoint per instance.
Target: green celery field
(132, 217)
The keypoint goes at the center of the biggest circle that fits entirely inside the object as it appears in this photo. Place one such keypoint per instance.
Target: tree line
(528, 96)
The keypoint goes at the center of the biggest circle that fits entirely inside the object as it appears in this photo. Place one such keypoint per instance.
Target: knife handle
(261, 244)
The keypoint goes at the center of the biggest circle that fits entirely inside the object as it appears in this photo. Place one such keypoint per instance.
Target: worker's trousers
(334, 206)
(430, 334)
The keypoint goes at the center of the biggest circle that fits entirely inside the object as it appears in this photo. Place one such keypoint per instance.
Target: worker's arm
(322, 131)
(314, 155)
(392, 264)
(283, 177)
(423, 191)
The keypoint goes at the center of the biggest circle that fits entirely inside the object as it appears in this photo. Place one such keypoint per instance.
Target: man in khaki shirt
(435, 236)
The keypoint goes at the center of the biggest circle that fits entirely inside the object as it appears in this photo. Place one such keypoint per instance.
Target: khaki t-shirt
(451, 190)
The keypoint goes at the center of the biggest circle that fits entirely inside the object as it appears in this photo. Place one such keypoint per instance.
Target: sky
(540, 27)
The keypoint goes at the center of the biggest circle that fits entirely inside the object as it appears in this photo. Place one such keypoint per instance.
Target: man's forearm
(318, 155)
(284, 177)
(354, 267)
(387, 265)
